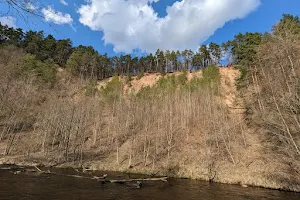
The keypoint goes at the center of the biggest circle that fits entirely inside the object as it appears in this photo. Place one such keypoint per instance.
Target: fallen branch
(91, 178)
(75, 176)
(5, 168)
(83, 169)
(38, 169)
(163, 179)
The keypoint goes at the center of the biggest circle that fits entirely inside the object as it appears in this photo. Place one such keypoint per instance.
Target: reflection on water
(34, 186)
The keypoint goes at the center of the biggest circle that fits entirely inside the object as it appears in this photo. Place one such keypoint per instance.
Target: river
(19, 183)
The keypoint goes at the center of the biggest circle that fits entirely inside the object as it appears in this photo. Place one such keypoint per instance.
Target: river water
(21, 183)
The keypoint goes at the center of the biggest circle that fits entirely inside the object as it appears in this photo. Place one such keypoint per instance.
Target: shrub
(163, 74)
(91, 87)
(128, 78)
(140, 75)
(145, 92)
(112, 90)
(211, 74)
(181, 79)
(243, 79)
(167, 84)
(43, 71)
(210, 79)
(195, 84)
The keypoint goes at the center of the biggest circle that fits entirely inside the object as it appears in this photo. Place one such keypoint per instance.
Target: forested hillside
(87, 62)
(70, 106)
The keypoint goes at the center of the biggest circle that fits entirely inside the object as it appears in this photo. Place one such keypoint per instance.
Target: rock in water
(138, 184)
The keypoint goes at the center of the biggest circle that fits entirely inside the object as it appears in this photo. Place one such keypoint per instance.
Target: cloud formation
(133, 24)
(64, 2)
(56, 17)
(31, 7)
(9, 21)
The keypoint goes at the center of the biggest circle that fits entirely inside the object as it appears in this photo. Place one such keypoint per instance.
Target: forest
(62, 105)
(88, 62)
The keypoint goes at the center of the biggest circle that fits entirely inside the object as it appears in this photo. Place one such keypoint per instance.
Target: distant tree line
(86, 61)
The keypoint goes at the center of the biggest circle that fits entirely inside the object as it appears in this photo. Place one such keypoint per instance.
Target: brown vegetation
(180, 126)
(276, 79)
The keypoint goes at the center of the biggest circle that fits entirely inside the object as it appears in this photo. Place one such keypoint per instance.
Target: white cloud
(9, 21)
(64, 2)
(56, 17)
(31, 7)
(131, 24)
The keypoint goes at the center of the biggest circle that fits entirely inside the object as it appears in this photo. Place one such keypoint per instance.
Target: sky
(142, 26)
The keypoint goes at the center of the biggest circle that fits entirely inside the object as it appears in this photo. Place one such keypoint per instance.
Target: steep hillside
(184, 124)
(147, 80)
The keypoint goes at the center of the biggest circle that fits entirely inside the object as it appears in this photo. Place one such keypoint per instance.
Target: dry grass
(194, 133)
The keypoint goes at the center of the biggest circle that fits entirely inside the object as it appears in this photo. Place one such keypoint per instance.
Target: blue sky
(259, 19)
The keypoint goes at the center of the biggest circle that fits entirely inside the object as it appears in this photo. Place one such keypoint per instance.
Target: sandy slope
(255, 165)
(148, 80)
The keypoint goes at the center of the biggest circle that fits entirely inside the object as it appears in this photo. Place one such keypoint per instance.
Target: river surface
(22, 183)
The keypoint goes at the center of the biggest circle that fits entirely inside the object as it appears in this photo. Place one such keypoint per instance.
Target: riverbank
(253, 175)
(68, 184)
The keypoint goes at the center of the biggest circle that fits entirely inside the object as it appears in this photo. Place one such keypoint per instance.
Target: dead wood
(163, 179)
